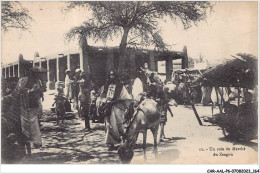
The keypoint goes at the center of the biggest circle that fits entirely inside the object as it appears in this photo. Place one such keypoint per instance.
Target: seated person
(230, 109)
(246, 117)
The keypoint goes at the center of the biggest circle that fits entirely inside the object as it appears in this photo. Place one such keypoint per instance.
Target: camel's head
(125, 153)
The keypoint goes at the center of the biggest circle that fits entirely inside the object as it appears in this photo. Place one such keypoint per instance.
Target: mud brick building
(95, 60)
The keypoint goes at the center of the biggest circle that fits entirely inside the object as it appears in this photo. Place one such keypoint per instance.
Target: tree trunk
(122, 50)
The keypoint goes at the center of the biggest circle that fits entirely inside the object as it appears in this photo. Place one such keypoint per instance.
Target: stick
(196, 113)
(194, 109)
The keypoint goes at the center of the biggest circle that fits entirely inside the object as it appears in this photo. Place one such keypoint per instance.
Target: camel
(147, 116)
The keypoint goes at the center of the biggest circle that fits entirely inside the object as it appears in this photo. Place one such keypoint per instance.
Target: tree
(14, 16)
(138, 19)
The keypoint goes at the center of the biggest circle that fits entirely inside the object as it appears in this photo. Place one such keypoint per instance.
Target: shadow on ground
(70, 143)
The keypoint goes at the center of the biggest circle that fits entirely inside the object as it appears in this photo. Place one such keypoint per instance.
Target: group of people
(77, 89)
(113, 103)
(114, 98)
(183, 80)
(121, 103)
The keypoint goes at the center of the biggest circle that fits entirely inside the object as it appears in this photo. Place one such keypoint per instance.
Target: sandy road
(189, 143)
(186, 142)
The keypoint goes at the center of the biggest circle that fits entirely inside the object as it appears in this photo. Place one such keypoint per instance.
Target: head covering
(68, 70)
(146, 65)
(110, 80)
(112, 72)
(77, 70)
(60, 89)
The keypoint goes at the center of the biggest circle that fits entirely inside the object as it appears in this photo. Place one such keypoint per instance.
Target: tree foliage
(14, 16)
(137, 19)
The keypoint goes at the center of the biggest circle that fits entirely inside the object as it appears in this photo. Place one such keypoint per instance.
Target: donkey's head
(125, 153)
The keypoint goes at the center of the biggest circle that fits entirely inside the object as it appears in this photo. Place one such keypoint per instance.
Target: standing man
(163, 101)
(84, 99)
(68, 85)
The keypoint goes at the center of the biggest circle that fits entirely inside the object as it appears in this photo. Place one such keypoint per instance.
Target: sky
(231, 28)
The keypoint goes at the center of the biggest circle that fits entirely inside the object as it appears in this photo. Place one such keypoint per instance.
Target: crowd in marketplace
(114, 104)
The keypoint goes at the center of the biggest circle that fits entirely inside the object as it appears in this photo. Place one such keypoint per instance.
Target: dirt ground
(186, 142)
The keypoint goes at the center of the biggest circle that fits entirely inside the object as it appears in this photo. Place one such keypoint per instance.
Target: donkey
(147, 116)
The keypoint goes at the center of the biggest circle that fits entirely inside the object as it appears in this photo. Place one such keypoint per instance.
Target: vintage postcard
(129, 82)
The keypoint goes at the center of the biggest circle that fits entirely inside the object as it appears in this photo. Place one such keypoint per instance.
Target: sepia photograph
(129, 82)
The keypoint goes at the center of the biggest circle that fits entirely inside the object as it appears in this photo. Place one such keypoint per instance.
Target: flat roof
(161, 55)
(10, 64)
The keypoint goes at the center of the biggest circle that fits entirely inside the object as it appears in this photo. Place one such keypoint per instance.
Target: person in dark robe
(247, 116)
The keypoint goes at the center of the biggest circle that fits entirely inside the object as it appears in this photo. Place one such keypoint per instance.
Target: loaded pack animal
(147, 115)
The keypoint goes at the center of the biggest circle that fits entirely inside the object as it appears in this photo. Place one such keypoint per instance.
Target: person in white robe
(68, 85)
(137, 88)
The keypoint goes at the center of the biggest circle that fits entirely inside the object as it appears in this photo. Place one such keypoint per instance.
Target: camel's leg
(155, 132)
(144, 144)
